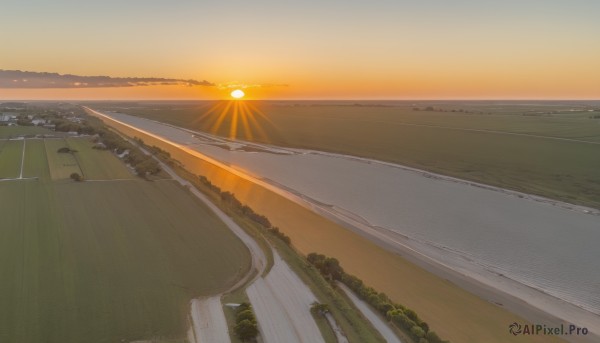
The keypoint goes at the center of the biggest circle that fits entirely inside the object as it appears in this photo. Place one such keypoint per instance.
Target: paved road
(282, 304)
(366, 310)
(208, 320)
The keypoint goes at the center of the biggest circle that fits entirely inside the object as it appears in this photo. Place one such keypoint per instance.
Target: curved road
(208, 320)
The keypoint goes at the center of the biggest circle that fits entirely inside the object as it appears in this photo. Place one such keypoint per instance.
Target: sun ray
(211, 110)
(256, 125)
(245, 114)
(215, 127)
(234, 120)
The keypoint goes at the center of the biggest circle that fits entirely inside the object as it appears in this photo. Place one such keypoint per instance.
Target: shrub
(246, 329)
(417, 332)
(76, 177)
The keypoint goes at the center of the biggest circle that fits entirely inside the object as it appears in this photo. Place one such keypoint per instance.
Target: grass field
(114, 261)
(452, 312)
(36, 163)
(97, 164)
(514, 147)
(11, 153)
(15, 131)
(62, 165)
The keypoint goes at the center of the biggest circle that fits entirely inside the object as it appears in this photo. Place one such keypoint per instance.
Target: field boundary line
(22, 159)
(21, 178)
(47, 159)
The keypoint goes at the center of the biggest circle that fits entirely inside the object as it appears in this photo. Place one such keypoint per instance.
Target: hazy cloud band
(28, 79)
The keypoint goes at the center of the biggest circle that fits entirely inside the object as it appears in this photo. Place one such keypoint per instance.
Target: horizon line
(309, 99)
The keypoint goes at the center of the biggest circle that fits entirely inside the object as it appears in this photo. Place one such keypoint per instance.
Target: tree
(246, 330)
(245, 315)
(432, 337)
(243, 307)
(417, 332)
(76, 177)
(321, 309)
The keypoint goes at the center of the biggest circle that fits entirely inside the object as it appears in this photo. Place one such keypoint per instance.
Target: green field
(97, 164)
(514, 147)
(113, 261)
(36, 163)
(15, 131)
(62, 165)
(11, 153)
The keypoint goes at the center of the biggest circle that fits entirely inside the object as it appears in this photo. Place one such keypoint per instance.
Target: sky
(377, 49)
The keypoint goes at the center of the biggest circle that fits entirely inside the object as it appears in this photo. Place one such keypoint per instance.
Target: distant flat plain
(545, 148)
(115, 259)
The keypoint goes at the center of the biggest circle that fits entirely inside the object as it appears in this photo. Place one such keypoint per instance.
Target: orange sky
(311, 50)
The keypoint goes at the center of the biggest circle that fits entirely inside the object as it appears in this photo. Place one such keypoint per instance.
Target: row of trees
(402, 317)
(232, 202)
(143, 165)
(436, 109)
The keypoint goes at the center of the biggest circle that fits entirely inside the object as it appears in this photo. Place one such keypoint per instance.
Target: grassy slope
(102, 262)
(547, 167)
(452, 312)
(10, 159)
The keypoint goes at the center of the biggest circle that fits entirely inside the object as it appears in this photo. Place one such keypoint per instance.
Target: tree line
(400, 316)
(232, 202)
(142, 164)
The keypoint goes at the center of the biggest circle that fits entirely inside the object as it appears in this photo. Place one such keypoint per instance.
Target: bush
(417, 332)
(285, 238)
(246, 329)
(76, 177)
(432, 337)
(321, 309)
(245, 315)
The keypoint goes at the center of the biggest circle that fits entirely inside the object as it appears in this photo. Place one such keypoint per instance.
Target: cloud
(240, 85)
(28, 79)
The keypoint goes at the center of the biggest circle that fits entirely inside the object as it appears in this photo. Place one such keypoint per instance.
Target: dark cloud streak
(28, 79)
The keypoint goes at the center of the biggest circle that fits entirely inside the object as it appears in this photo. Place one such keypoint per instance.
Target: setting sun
(238, 94)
